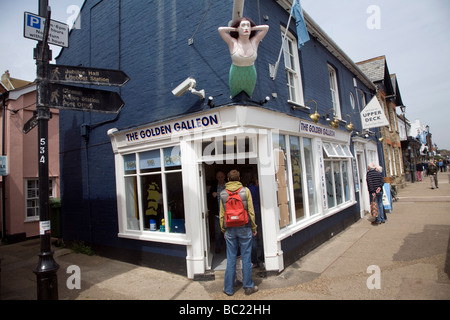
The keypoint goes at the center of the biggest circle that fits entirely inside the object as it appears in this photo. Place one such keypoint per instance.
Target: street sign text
(83, 75)
(34, 29)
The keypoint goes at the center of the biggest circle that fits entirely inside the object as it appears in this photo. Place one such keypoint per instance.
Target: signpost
(30, 124)
(34, 29)
(83, 75)
(53, 93)
(84, 99)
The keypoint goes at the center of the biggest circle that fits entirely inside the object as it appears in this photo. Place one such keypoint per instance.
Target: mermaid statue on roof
(243, 38)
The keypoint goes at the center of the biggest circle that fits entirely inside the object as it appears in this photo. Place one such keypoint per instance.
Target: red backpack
(235, 213)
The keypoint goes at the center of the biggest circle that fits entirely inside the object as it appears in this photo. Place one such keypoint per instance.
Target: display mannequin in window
(243, 38)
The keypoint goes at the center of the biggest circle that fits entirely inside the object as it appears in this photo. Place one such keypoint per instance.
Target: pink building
(21, 182)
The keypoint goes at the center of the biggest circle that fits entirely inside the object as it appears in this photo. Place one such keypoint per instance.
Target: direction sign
(30, 124)
(83, 75)
(84, 99)
(34, 29)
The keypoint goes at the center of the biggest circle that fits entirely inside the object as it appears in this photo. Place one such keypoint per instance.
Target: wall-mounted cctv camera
(188, 85)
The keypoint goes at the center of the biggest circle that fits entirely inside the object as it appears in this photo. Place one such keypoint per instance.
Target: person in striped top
(375, 184)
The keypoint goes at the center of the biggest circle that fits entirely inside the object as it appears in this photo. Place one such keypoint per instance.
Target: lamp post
(47, 282)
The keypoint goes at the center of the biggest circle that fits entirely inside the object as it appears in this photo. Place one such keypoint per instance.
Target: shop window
(345, 180)
(295, 179)
(330, 184)
(310, 174)
(281, 176)
(296, 165)
(336, 161)
(154, 191)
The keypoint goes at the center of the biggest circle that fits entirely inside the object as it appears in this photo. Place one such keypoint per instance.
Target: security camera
(188, 85)
(184, 86)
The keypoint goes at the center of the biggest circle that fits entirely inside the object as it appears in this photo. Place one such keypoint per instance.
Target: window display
(281, 176)
(296, 164)
(336, 159)
(154, 191)
(310, 174)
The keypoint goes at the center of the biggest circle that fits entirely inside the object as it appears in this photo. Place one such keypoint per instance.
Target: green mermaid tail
(242, 79)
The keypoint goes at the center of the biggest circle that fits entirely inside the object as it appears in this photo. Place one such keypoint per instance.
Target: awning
(336, 150)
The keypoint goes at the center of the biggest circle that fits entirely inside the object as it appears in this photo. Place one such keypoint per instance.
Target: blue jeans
(236, 238)
(381, 216)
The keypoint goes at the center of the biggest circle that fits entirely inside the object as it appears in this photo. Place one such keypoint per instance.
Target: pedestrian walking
(419, 171)
(432, 171)
(237, 222)
(425, 168)
(375, 184)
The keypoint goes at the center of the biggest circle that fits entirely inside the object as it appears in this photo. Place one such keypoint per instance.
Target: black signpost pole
(52, 92)
(47, 282)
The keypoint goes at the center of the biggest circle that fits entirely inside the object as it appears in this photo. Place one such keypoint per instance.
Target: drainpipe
(4, 96)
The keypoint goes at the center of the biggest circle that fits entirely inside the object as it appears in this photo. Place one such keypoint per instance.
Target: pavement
(407, 258)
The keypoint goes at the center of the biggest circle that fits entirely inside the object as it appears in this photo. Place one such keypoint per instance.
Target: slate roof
(374, 68)
(377, 71)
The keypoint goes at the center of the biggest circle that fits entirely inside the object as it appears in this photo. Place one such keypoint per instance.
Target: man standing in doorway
(238, 237)
(220, 177)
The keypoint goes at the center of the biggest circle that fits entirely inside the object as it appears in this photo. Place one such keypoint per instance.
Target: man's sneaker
(249, 291)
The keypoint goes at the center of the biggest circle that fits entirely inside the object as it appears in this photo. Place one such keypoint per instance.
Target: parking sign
(34, 29)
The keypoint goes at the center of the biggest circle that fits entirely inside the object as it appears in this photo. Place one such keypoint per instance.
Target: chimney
(6, 82)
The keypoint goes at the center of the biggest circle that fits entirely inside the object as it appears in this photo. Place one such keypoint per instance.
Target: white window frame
(363, 100)
(321, 212)
(400, 160)
(390, 159)
(338, 161)
(352, 100)
(142, 233)
(334, 90)
(35, 197)
(394, 164)
(292, 67)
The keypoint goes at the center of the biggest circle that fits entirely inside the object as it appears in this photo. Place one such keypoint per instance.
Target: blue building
(136, 186)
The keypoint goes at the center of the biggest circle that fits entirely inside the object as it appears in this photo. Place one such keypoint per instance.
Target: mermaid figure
(243, 38)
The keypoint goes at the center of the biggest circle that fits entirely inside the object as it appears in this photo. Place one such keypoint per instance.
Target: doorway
(363, 199)
(248, 172)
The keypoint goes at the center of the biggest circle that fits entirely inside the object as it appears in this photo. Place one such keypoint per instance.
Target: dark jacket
(432, 169)
(374, 180)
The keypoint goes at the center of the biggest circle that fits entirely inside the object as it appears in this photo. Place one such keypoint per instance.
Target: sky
(414, 35)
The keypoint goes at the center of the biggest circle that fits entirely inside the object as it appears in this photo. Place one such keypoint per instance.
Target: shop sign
(186, 126)
(372, 116)
(316, 130)
(323, 187)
